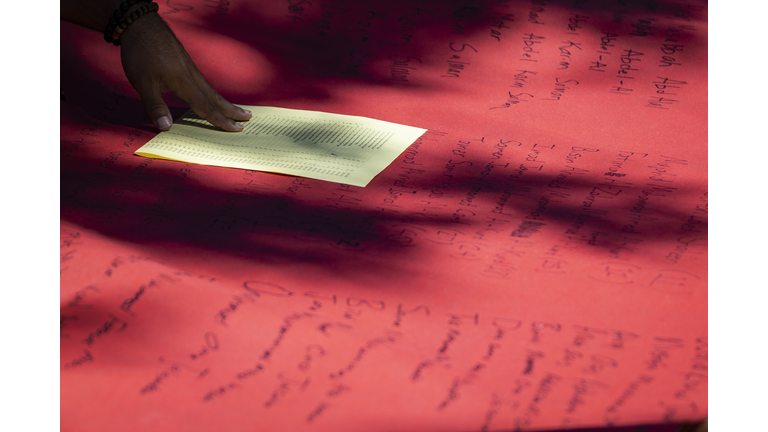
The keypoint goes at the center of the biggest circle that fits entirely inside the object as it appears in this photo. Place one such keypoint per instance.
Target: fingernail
(163, 123)
(238, 125)
(246, 111)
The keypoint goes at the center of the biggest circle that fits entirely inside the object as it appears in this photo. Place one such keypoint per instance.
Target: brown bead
(116, 25)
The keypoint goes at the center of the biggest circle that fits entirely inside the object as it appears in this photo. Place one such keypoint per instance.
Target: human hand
(154, 62)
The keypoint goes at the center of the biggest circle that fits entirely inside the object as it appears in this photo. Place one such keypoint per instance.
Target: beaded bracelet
(113, 22)
(121, 19)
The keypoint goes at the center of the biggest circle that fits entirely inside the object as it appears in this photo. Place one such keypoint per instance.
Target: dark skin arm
(154, 62)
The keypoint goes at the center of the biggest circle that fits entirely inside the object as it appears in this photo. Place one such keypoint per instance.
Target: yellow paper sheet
(333, 147)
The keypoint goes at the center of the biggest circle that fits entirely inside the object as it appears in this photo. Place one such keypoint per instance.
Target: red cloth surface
(536, 261)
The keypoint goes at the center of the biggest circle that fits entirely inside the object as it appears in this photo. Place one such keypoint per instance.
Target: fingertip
(163, 123)
(242, 114)
(230, 125)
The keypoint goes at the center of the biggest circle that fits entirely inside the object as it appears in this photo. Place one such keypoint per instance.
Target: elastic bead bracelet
(113, 21)
(122, 19)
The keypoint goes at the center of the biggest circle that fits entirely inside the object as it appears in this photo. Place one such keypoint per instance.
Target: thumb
(156, 108)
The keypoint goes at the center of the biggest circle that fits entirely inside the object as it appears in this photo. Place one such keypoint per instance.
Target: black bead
(121, 19)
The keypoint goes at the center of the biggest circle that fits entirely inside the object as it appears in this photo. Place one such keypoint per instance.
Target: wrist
(124, 17)
(149, 30)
